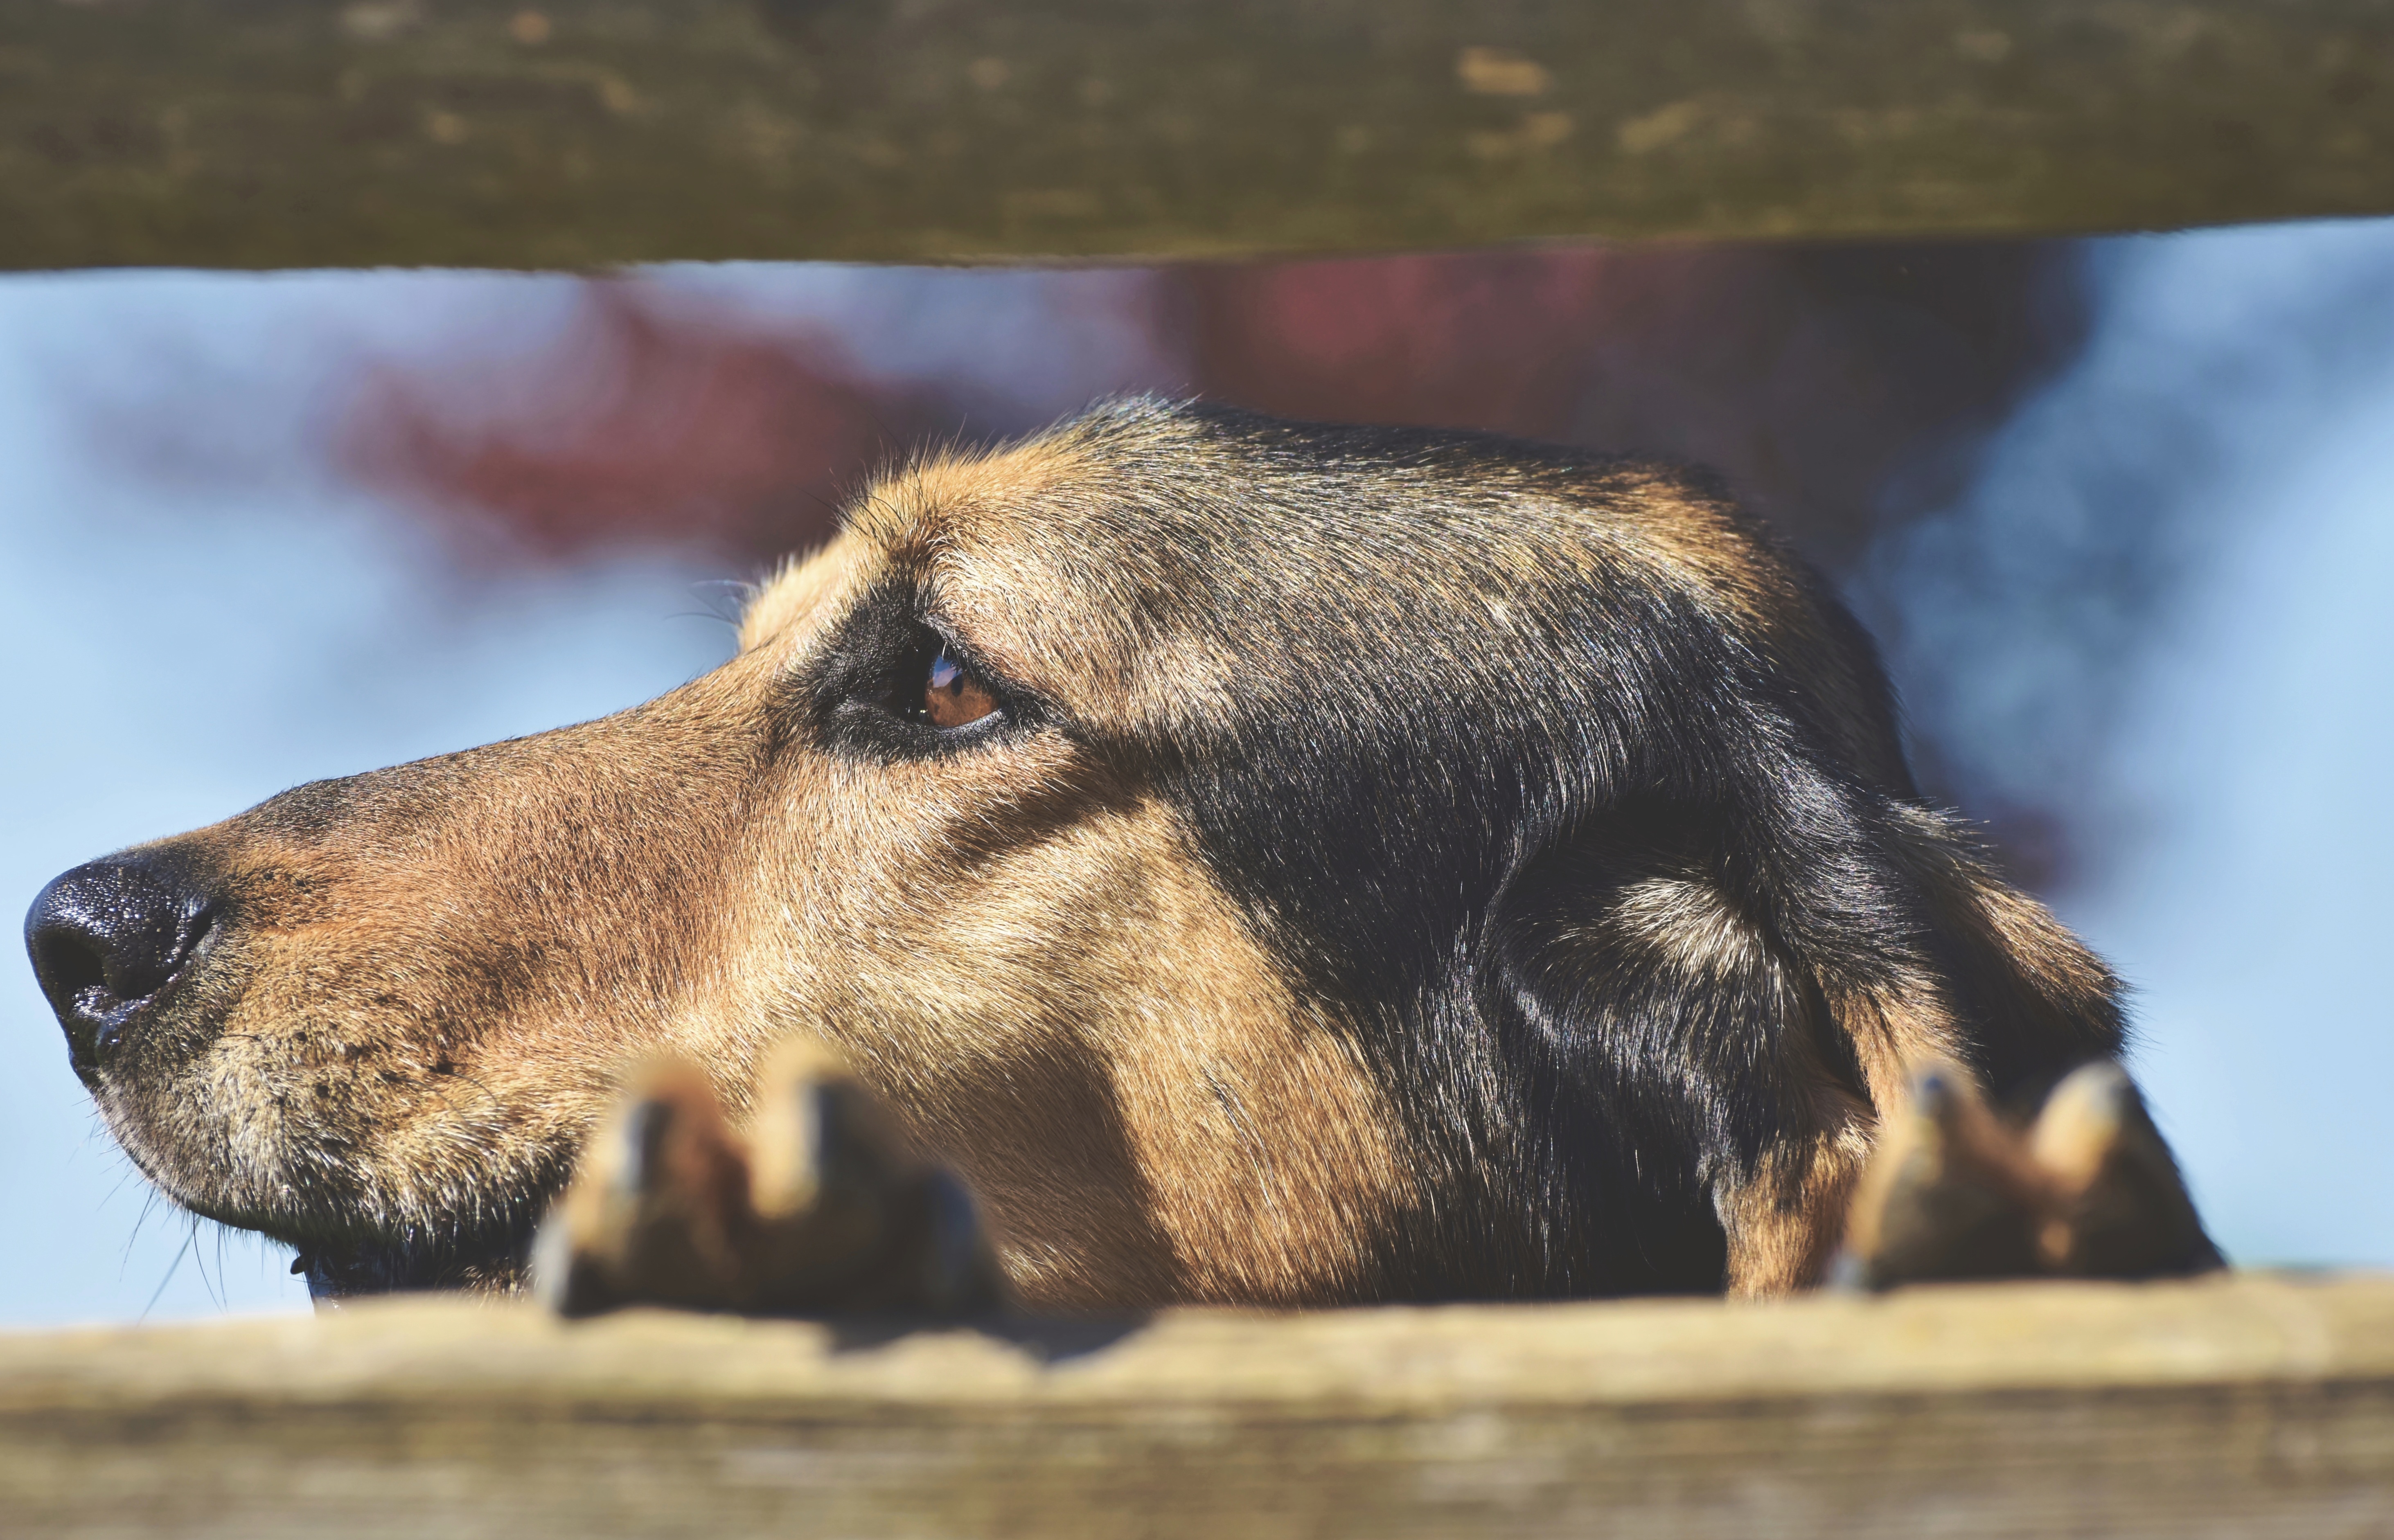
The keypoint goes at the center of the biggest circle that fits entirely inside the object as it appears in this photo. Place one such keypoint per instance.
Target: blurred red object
(649, 418)
(1497, 341)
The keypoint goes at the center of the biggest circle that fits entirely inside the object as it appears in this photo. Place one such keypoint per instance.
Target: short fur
(1407, 865)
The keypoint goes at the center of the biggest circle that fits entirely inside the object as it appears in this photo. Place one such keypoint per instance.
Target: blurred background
(2117, 510)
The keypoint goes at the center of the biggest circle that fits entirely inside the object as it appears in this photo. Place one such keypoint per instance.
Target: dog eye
(951, 697)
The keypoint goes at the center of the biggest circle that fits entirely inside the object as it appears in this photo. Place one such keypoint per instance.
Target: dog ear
(1630, 963)
(1680, 1053)
(1836, 931)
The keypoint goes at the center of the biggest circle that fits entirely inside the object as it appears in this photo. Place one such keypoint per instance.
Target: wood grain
(2252, 1406)
(583, 133)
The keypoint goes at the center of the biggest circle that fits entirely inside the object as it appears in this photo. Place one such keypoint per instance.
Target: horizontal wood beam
(582, 133)
(2250, 1406)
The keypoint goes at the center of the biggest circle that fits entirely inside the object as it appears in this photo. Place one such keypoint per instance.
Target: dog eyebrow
(803, 585)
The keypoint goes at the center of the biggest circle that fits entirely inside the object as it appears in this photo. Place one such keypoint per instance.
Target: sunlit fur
(1407, 865)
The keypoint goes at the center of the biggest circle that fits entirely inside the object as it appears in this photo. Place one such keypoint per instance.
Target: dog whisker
(160, 1292)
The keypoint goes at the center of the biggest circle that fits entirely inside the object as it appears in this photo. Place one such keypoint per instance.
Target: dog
(1207, 859)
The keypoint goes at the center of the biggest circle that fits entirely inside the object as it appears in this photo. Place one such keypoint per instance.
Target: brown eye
(949, 696)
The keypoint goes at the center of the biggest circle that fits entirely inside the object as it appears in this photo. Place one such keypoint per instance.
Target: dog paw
(2089, 1190)
(822, 1208)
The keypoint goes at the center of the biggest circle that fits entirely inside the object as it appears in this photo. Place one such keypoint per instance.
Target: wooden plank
(573, 133)
(2246, 1406)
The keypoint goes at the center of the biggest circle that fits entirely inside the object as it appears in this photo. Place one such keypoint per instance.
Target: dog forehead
(1147, 564)
(959, 524)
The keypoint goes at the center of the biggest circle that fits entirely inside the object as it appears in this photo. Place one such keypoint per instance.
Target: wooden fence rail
(571, 133)
(2255, 1406)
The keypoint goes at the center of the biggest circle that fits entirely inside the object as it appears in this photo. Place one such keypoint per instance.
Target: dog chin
(355, 1263)
(345, 1249)
(341, 1271)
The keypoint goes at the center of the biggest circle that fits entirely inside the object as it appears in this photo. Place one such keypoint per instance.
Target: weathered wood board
(571, 133)
(2255, 1406)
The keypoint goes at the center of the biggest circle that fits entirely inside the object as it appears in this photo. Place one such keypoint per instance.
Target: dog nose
(104, 938)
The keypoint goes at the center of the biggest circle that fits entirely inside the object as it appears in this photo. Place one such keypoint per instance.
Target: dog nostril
(104, 938)
(70, 964)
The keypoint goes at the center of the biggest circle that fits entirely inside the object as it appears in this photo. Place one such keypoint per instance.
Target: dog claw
(1950, 1194)
(2117, 1206)
(821, 1209)
(852, 1218)
(2090, 1190)
(658, 1212)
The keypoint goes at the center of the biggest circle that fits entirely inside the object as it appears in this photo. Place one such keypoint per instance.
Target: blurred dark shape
(1951, 1191)
(2117, 1204)
(651, 418)
(1837, 389)
(2089, 1189)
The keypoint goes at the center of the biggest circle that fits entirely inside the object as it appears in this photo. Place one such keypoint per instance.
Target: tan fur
(1704, 540)
(1893, 1035)
(804, 588)
(1684, 920)
(1084, 1027)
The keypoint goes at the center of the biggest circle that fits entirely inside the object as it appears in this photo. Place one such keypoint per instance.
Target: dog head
(1127, 804)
